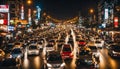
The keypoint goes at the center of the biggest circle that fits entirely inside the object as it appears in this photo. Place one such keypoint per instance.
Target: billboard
(116, 22)
(106, 14)
(4, 14)
(4, 8)
(4, 18)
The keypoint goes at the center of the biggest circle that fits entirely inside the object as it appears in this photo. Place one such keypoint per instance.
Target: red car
(67, 51)
(81, 43)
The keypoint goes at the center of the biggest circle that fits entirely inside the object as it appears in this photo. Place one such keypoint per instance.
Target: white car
(33, 50)
(99, 44)
(49, 47)
(94, 50)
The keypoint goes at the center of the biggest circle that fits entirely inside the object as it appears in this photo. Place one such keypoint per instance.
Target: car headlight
(9, 56)
(90, 61)
(49, 65)
(18, 56)
(63, 64)
(86, 61)
(114, 52)
(37, 51)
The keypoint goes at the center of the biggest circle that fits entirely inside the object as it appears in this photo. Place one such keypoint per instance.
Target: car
(49, 47)
(99, 44)
(17, 52)
(10, 63)
(85, 60)
(94, 50)
(60, 42)
(8, 47)
(2, 54)
(81, 43)
(32, 41)
(33, 49)
(108, 43)
(52, 41)
(114, 50)
(67, 51)
(54, 61)
(19, 44)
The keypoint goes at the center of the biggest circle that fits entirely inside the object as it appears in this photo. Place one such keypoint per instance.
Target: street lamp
(91, 11)
(29, 2)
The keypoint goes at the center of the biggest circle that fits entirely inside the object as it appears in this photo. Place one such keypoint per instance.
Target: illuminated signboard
(22, 12)
(4, 8)
(29, 16)
(3, 21)
(106, 13)
(38, 12)
(10, 28)
(116, 22)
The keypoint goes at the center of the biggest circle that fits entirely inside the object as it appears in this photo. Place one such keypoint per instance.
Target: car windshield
(97, 42)
(54, 57)
(92, 47)
(16, 51)
(49, 45)
(32, 47)
(84, 52)
(114, 47)
(81, 41)
(109, 42)
(10, 45)
(61, 40)
(66, 49)
(51, 41)
(17, 43)
(9, 62)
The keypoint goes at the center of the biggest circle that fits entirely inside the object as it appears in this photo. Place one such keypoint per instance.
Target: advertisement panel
(4, 18)
(106, 14)
(4, 8)
(116, 22)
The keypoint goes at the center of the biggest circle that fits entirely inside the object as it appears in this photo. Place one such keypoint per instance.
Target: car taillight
(63, 54)
(84, 43)
(71, 54)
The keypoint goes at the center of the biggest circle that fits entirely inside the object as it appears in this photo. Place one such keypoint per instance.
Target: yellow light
(91, 10)
(29, 1)
(34, 11)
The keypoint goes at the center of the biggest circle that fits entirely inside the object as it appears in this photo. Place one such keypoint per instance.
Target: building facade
(106, 13)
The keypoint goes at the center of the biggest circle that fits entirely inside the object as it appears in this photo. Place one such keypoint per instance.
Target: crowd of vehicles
(56, 46)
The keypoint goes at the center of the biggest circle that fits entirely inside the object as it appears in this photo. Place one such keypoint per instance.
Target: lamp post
(92, 17)
(29, 2)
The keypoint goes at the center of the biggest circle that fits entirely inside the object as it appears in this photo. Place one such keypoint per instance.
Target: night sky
(65, 9)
